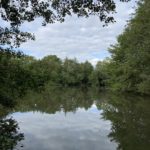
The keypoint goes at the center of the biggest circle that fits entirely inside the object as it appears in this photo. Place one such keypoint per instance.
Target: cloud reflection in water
(83, 130)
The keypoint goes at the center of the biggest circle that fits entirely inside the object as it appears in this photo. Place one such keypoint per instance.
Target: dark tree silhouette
(9, 135)
(16, 12)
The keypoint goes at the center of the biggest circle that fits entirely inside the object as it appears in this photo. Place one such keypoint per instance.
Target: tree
(16, 12)
(86, 71)
(9, 134)
(100, 74)
(130, 64)
(51, 66)
(70, 72)
(8, 75)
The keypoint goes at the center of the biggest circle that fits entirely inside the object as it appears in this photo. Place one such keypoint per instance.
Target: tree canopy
(128, 69)
(130, 63)
(16, 12)
(20, 73)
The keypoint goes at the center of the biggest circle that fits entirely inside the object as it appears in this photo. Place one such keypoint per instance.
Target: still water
(79, 119)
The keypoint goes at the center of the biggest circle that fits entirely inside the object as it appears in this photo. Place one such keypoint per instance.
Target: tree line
(130, 57)
(20, 73)
(128, 69)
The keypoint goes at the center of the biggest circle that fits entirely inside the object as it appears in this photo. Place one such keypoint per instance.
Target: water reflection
(130, 118)
(64, 119)
(58, 99)
(60, 131)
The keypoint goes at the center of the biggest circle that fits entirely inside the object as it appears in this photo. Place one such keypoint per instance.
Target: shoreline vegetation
(128, 69)
(125, 112)
(25, 82)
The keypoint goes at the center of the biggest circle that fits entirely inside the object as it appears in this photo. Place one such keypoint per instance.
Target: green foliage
(15, 79)
(20, 73)
(101, 74)
(9, 135)
(127, 70)
(15, 13)
(74, 73)
(86, 73)
(130, 63)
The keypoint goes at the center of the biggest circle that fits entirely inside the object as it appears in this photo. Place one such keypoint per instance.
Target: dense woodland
(20, 73)
(130, 62)
(51, 81)
(128, 69)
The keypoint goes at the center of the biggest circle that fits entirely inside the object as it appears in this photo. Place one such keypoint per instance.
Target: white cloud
(82, 38)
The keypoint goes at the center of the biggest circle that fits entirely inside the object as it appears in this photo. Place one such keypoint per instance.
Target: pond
(82, 119)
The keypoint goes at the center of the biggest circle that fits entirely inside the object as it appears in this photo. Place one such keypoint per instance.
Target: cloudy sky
(81, 38)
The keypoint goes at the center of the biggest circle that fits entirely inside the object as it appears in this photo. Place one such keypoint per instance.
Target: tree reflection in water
(129, 116)
(9, 134)
(55, 99)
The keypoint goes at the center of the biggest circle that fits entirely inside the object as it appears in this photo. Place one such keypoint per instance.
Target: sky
(80, 38)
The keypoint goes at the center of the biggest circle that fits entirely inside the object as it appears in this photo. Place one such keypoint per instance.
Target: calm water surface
(83, 129)
(77, 119)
